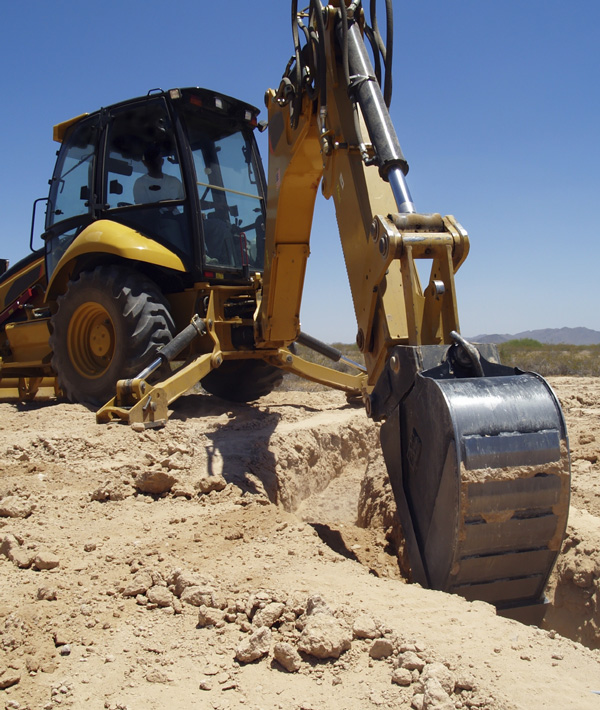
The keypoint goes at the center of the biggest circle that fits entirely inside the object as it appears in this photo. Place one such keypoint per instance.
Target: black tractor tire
(242, 380)
(107, 327)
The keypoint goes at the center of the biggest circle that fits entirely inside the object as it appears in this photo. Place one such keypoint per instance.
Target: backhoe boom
(476, 452)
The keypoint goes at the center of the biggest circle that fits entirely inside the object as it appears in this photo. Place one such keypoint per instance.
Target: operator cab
(180, 167)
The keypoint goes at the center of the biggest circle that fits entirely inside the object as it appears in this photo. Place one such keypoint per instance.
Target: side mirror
(84, 193)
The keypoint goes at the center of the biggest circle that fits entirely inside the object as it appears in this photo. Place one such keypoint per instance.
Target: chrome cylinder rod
(401, 192)
(392, 163)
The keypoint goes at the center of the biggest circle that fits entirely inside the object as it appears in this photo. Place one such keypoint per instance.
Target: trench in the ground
(572, 608)
(328, 469)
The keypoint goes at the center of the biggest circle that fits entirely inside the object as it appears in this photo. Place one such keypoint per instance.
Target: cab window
(142, 163)
(71, 186)
(229, 190)
(70, 201)
(142, 171)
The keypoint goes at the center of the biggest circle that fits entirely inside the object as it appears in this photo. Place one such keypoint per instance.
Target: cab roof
(204, 98)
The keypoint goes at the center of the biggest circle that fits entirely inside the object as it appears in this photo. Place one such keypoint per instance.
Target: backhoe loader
(170, 260)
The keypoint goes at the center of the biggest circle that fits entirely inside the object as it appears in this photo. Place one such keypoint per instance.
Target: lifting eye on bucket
(465, 354)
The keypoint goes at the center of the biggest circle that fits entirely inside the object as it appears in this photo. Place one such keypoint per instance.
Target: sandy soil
(217, 563)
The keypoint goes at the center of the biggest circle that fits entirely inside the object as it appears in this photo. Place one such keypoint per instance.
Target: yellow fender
(107, 237)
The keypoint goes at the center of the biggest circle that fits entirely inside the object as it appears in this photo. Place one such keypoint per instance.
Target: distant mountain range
(554, 336)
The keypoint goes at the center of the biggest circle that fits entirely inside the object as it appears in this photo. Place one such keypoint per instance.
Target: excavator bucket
(479, 466)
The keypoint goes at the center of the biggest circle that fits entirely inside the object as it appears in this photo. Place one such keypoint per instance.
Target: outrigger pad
(481, 476)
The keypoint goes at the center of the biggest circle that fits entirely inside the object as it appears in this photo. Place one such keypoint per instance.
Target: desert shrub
(547, 360)
(525, 353)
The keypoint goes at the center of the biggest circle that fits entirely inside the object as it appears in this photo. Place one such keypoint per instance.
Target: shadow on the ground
(239, 445)
(334, 540)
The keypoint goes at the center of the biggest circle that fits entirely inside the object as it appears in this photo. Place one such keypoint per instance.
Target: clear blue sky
(497, 106)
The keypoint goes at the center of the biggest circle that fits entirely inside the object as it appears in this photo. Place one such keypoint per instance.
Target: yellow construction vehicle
(165, 243)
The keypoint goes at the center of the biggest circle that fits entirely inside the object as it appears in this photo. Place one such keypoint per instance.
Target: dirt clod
(254, 646)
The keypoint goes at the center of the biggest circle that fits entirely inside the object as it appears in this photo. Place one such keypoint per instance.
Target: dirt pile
(218, 563)
(574, 589)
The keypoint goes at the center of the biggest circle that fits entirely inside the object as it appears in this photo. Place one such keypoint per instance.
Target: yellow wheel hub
(91, 340)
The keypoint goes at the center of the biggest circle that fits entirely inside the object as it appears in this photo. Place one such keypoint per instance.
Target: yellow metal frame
(26, 389)
(380, 250)
(107, 237)
(292, 363)
(139, 402)
(37, 271)
(28, 342)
